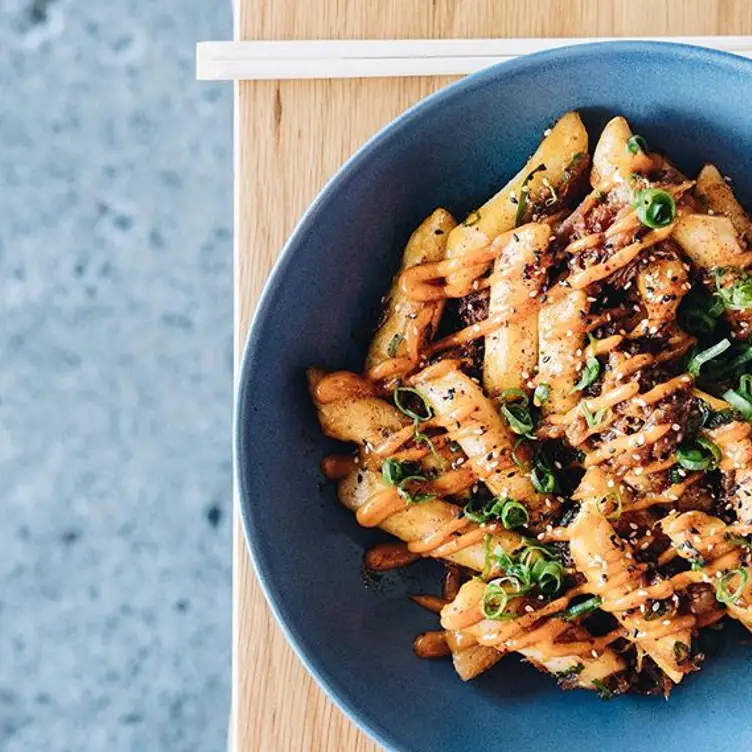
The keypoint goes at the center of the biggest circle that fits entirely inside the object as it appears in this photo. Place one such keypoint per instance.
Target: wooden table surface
(291, 137)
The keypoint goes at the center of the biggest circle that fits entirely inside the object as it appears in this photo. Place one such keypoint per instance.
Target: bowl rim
(361, 717)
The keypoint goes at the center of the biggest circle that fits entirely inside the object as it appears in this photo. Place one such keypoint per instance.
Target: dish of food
(578, 450)
(319, 308)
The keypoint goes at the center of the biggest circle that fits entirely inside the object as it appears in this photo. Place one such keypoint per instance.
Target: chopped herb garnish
(403, 393)
(523, 199)
(637, 144)
(571, 672)
(394, 344)
(590, 373)
(603, 691)
(516, 409)
(405, 396)
(512, 514)
(655, 208)
(403, 476)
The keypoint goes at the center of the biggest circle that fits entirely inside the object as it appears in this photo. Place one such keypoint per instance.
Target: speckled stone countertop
(115, 383)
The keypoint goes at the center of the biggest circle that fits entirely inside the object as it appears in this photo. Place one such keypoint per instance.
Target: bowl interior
(454, 150)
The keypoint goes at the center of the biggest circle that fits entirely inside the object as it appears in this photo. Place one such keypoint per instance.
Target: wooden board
(291, 137)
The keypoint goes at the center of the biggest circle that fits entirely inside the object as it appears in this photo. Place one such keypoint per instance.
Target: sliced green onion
(519, 418)
(550, 577)
(541, 394)
(615, 497)
(486, 555)
(514, 514)
(475, 511)
(495, 601)
(423, 438)
(655, 208)
(509, 512)
(739, 402)
(738, 296)
(400, 474)
(503, 559)
(722, 592)
(523, 198)
(699, 359)
(517, 461)
(637, 144)
(530, 554)
(409, 496)
(426, 409)
(580, 609)
(590, 373)
(702, 454)
(697, 565)
(543, 479)
(592, 419)
(394, 344)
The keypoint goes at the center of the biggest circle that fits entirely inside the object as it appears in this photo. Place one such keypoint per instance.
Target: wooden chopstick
(370, 58)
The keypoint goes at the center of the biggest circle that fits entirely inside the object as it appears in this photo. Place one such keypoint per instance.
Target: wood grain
(291, 137)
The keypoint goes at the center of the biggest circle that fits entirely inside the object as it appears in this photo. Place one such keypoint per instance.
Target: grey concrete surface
(115, 377)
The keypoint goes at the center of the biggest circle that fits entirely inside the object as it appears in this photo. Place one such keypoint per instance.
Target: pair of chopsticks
(371, 58)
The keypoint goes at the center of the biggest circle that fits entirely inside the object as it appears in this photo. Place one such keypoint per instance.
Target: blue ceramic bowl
(454, 150)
